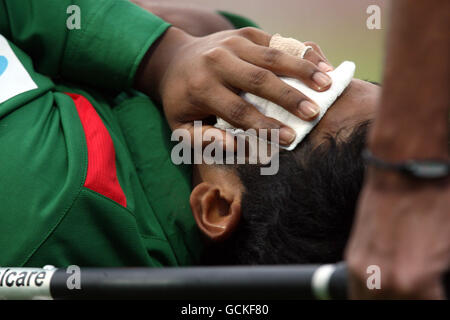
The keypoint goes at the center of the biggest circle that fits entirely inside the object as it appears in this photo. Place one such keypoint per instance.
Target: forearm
(412, 121)
(195, 21)
(402, 224)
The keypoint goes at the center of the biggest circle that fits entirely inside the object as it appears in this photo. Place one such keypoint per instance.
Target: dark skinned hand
(199, 77)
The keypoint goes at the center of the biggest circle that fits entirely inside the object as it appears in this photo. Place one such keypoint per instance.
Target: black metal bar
(254, 282)
(192, 283)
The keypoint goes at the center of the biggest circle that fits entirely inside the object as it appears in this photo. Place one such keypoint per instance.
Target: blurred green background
(338, 26)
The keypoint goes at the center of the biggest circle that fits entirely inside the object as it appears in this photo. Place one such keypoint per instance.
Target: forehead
(357, 104)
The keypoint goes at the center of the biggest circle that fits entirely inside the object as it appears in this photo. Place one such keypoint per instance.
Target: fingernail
(325, 67)
(321, 79)
(287, 135)
(308, 109)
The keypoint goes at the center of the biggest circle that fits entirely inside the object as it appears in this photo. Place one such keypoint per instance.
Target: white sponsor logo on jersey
(14, 78)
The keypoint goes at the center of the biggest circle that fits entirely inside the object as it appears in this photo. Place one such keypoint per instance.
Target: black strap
(422, 169)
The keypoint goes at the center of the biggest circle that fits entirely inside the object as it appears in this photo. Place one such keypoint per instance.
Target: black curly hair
(304, 213)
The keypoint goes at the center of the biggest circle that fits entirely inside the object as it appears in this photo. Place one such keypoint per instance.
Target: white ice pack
(341, 77)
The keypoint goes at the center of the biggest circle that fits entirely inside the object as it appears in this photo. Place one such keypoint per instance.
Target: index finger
(262, 38)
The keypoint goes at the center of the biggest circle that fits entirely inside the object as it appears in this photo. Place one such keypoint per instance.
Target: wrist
(151, 72)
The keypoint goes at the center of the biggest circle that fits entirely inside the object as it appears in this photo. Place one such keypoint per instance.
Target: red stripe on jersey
(101, 174)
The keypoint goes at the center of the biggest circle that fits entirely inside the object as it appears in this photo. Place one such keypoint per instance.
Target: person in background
(403, 222)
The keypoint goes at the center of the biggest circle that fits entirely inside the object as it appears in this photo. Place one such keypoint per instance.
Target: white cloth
(341, 77)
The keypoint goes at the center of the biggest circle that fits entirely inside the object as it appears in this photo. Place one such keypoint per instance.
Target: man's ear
(216, 212)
